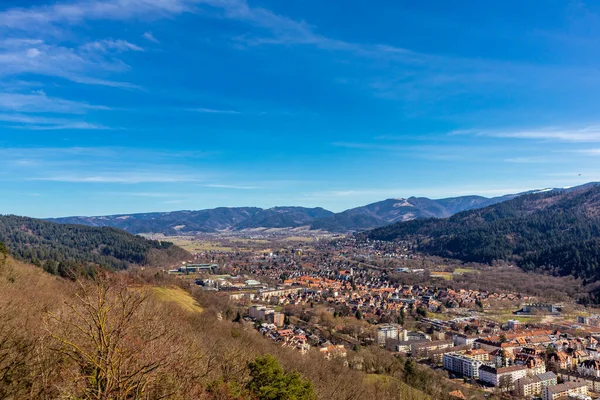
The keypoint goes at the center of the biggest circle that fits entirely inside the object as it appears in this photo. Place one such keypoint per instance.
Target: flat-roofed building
(387, 331)
(502, 377)
(462, 365)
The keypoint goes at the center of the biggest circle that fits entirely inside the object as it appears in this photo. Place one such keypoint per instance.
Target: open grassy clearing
(177, 295)
(465, 271)
(443, 275)
(298, 239)
(196, 246)
(248, 241)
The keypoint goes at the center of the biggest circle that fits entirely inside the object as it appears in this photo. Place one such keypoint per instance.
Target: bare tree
(114, 341)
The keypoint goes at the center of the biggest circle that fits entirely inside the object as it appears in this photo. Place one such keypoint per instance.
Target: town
(338, 296)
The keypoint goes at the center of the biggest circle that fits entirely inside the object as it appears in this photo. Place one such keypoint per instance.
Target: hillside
(57, 247)
(396, 210)
(283, 217)
(556, 231)
(161, 348)
(239, 218)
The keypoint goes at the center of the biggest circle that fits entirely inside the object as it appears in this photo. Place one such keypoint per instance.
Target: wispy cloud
(526, 160)
(120, 177)
(82, 65)
(30, 19)
(42, 123)
(149, 36)
(107, 45)
(226, 186)
(39, 102)
(585, 134)
(590, 152)
(214, 111)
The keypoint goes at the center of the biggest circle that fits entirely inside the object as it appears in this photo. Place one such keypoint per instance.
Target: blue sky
(123, 106)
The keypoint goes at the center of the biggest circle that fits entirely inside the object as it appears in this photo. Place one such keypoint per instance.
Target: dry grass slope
(178, 296)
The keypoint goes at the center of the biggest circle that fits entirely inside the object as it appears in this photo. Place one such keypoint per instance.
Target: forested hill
(557, 231)
(58, 247)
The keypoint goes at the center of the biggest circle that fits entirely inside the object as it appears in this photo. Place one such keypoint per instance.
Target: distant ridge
(366, 217)
(556, 230)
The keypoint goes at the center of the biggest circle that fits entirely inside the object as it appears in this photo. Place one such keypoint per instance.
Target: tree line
(61, 248)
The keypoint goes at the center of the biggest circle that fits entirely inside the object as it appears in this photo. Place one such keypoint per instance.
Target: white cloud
(35, 18)
(149, 36)
(214, 111)
(39, 102)
(526, 160)
(225, 186)
(591, 152)
(120, 177)
(23, 56)
(585, 134)
(32, 122)
(106, 45)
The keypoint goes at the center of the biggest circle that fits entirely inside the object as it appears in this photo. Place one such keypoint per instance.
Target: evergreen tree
(270, 382)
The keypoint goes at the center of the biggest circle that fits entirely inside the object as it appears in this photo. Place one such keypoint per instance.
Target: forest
(556, 232)
(59, 248)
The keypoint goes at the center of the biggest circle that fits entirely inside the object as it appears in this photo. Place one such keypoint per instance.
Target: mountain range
(239, 218)
(557, 231)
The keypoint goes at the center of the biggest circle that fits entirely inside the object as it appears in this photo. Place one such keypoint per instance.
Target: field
(443, 275)
(177, 295)
(197, 246)
(464, 271)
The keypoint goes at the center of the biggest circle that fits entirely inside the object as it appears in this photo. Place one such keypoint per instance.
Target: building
(418, 335)
(513, 324)
(424, 348)
(564, 390)
(560, 360)
(502, 377)
(461, 340)
(594, 320)
(462, 365)
(533, 385)
(275, 318)
(387, 331)
(263, 312)
(253, 311)
(539, 308)
(478, 354)
(333, 351)
(589, 368)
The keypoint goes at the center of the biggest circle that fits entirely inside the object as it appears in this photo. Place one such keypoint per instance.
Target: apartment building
(502, 377)
(564, 390)
(534, 385)
(462, 365)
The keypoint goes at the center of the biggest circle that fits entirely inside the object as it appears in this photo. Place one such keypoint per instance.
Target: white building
(589, 368)
(462, 365)
(387, 331)
(461, 340)
(502, 377)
